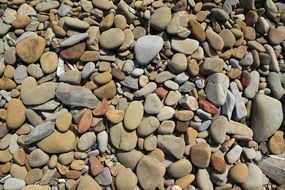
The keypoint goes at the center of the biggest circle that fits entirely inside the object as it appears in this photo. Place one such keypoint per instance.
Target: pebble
(86, 141)
(160, 18)
(146, 48)
(150, 172)
(179, 168)
(102, 141)
(152, 104)
(14, 183)
(15, 114)
(239, 173)
(39, 132)
(38, 158)
(126, 179)
(215, 40)
(263, 127)
(218, 129)
(212, 65)
(254, 179)
(216, 88)
(203, 180)
(178, 63)
(133, 115)
(186, 46)
(46, 6)
(276, 143)
(234, 154)
(112, 38)
(171, 145)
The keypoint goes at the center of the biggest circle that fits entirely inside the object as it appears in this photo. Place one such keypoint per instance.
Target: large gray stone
(267, 117)
(76, 96)
(41, 131)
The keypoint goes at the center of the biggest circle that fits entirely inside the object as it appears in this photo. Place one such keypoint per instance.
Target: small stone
(146, 48)
(133, 115)
(218, 129)
(33, 176)
(107, 91)
(276, 143)
(95, 165)
(49, 62)
(197, 31)
(228, 38)
(179, 168)
(112, 38)
(90, 56)
(123, 139)
(276, 35)
(166, 113)
(178, 63)
(5, 156)
(126, 179)
(218, 162)
(30, 49)
(212, 65)
(152, 104)
(204, 180)
(85, 121)
(239, 173)
(88, 183)
(40, 132)
(216, 89)
(201, 155)
(160, 18)
(104, 178)
(234, 154)
(45, 6)
(150, 172)
(63, 122)
(74, 52)
(86, 141)
(115, 116)
(130, 159)
(215, 40)
(38, 158)
(103, 5)
(15, 114)
(71, 77)
(76, 23)
(186, 46)
(185, 181)
(171, 145)
(147, 126)
(254, 179)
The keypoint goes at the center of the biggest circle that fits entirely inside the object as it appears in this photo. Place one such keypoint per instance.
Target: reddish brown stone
(182, 126)
(218, 162)
(161, 92)
(95, 165)
(85, 121)
(245, 78)
(73, 52)
(73, 174)
(102, 108)
(6, 168)
(208, 107)
(20, 157)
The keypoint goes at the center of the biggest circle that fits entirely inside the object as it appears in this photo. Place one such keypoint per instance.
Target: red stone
(73, 174)
(161, 92)
(74, 52)
(85, 122)
(102, 108)
(245, 78)
(208, 107)
(95, 165)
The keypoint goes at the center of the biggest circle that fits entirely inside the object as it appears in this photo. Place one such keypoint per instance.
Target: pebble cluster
(142, 94)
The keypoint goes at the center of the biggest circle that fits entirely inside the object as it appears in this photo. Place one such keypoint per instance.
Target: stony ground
(151, 94)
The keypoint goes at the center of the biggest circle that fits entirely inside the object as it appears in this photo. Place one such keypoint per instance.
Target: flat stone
(112, 38)
(74, 52)
(126, 179)
(38, 158)
(276, 35)
(160, 18)
(179, 168)
(276, 143)
(216, 41)
(274, 84)
(150, 172)
(14, 183)
(88, 183)
(178, 63)
(20, 74)
(152, 104)
(46, 6)
(254, 179)
(107, 91)
(74, 39)
(4, 28)
(212, 65)
(39, 94)
(15, 114)
(147, 126)
(33, 176)
(218, 129)
(86, 141)
(179, 25)
(234, 154)
(130, 159)
(236, 128)
(58, 142)
(201, 155)
(267, 118)
(123, 139)
(76, 23)
(186, 46)
(147, 47)
(171, 145)
(104, 178)
(216, 89)
(40, 132)
(240, 110)
(76, 96)
(167, 112)
(31, 49)
(204, 180)
(49, 61)
(239, 173)
(133, 115)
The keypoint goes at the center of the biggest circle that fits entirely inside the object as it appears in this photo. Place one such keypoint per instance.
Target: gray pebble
(88, 69)
(171, 85)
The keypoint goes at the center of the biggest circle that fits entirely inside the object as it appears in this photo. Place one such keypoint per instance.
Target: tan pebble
(77, 165)
(90, 56)
(102, 78)
(185, 181)
(15, 113)
(276, 143)
(21, 22)
(115, 116)
(63, 122)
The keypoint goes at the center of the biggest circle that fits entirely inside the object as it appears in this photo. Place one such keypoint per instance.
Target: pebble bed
(142, 95)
